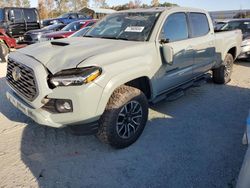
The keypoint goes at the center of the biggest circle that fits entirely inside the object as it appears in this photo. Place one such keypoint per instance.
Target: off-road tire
(222, 74)
(121, 98)
(5, 51)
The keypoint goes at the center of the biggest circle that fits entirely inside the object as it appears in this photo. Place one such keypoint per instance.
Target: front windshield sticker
(134, 29)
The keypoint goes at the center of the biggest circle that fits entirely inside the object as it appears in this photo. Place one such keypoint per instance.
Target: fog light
(64, 105)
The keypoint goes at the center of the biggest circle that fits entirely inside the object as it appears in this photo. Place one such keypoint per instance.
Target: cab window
(15, 15)
(175, 27)
(30, 15)
(199, 24)
(18, 15)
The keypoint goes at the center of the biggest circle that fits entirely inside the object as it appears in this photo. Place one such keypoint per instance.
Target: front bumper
(40, 116)
(80, 116)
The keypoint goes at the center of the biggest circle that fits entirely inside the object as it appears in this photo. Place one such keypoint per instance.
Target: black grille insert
(22, 79)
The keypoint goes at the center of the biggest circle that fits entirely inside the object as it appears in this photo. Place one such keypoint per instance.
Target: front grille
(25, 85)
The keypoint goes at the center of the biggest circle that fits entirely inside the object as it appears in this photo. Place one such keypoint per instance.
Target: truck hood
(69, 53)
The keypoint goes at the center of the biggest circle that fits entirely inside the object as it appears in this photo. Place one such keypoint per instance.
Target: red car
(69, 29)
(8, 44)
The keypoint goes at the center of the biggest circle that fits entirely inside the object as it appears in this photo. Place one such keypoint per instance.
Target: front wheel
(124, 118)
(222, 74)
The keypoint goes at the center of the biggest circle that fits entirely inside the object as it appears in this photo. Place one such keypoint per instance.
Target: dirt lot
(194, 141)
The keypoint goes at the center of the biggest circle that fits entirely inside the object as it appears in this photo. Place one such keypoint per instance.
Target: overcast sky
(204, 4)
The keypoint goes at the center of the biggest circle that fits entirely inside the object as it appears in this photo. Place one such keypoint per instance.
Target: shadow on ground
(191, 142)
(243, 63)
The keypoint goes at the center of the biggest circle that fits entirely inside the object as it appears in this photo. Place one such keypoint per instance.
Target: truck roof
(162, 9)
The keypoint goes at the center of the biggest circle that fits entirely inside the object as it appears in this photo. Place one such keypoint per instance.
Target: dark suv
(17, 21)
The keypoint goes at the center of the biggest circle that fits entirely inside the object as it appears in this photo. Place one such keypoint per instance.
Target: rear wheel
(125, 117)
(5, 52)
(222, 74)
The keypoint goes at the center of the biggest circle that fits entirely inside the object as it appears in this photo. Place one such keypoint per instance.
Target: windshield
(1, 14)
(64, 15)
(81, 32)
(125, 26)
(243, 25)
(54, 27)
(75, 26)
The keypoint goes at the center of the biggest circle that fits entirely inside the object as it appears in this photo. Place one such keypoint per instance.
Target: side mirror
(167, 54)
(164, 41)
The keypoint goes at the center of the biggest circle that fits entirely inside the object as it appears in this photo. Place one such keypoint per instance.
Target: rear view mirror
(168, 54)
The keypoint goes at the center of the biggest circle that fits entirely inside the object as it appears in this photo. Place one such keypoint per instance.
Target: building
(97, 13)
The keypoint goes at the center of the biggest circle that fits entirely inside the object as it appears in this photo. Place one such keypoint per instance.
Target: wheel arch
(137, 80)
(233, 52)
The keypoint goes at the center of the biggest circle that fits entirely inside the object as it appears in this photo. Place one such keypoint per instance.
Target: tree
(155, 3)
(166, 4)
(62, 5)
(42, 9)
(14, 3)
(100, 3)
(26, 3)
(77, 4)
(18, 3)
(7, 3)
(131, 5)
(137, 3)
(49, 4)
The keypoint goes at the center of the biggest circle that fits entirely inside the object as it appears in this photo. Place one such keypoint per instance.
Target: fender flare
(117, 81)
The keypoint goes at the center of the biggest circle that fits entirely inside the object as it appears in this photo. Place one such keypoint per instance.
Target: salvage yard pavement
(194, 141)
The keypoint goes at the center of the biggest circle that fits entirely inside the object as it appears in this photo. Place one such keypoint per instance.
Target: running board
(178, 92)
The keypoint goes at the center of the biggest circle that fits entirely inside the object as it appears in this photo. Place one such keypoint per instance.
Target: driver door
(175, 34)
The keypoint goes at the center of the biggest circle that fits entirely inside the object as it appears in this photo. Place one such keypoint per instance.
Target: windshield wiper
(120, 38)
(90, 36)
(115, 38)
(108, 37)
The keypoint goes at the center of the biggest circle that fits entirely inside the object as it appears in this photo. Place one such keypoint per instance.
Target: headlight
(246, 42)
(75, 77)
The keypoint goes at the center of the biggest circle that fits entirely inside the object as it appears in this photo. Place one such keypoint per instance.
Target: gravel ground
(194, 141)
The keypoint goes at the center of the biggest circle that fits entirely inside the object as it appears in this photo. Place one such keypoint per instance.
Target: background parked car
(16, 21)
(7, 44)
(81, 32)
(244, 26)
(69, 29)
(66, 18)
(34, 36)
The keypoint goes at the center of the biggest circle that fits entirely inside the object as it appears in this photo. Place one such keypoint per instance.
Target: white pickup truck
(101, 83)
